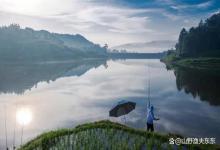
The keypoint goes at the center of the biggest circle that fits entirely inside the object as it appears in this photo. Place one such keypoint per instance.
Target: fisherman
(150, 117)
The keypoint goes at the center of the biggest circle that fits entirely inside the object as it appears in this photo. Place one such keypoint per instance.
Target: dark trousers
(150, 127)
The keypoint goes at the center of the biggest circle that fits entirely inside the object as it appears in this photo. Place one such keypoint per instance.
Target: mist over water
(43, 97)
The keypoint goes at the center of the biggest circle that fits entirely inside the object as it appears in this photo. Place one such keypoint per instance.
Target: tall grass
(101, 136)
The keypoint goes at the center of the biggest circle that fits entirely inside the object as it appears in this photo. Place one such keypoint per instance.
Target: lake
(41, 97)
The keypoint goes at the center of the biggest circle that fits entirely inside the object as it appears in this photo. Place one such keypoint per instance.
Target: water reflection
(23, 116)
(17, 78)
(199, 83)
(86, 91)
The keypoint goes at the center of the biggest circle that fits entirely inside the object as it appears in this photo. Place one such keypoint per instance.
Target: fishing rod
(14, 134)
(149, 88)
(22, 132)
(6, 134)
(148, 82)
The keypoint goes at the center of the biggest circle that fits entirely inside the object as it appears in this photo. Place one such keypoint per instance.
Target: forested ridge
(17, 44)
(200, 41)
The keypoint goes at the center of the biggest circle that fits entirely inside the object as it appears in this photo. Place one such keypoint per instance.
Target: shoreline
(200, 63)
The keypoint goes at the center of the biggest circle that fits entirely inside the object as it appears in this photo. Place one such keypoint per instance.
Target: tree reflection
(199, 83)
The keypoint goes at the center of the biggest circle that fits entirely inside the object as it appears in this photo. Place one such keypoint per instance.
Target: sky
(113, 22)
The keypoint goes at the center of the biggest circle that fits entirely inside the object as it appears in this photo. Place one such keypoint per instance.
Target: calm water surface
(43, 97)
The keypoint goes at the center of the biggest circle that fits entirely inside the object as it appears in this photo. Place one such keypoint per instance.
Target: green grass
(104, 135)
(200, 63)
(169, 59)
(204, 63)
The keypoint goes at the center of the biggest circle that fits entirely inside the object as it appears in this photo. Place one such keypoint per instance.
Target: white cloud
(100, 23)
(75, 16)
(214, 12)
(203, 5)
(171, 16)
(37, 7)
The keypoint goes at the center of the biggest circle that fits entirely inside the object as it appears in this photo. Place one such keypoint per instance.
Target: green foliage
(202, 40)
(101, 135)
(197, 48)
(170, 57)
(202, 63)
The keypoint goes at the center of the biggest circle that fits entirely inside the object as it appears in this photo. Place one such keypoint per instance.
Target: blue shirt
(150, 117)
(150, 114)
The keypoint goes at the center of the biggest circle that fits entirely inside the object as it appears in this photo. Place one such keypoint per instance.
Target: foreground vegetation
(105, 135)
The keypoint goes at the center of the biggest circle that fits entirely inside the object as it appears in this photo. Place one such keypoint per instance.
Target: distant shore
(130, 55)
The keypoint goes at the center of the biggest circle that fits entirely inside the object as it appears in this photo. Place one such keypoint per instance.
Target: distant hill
(79, 42)
(17, 44)
(147, 47)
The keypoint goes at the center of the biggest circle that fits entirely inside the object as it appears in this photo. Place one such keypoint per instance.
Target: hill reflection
(199, 83)
(17, 78)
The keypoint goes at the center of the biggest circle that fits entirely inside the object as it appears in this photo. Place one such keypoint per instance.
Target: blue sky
(109, 21)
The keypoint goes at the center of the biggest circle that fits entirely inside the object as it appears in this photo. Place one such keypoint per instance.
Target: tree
(106, 46)
(180, 44)
(203, 40)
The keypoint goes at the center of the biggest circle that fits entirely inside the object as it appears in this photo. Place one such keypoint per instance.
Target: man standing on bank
(150, 117)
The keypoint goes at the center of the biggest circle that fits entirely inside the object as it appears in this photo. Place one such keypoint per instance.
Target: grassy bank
(205, 63)
(200, 63)
(105, 135)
